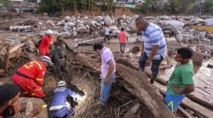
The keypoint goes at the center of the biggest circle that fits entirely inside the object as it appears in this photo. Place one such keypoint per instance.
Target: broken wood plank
(183, 111)
(132, 111)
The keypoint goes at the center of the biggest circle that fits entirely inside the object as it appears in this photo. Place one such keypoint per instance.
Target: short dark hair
(185, 52)
(140, 19)
(122, 29)
(97, 46)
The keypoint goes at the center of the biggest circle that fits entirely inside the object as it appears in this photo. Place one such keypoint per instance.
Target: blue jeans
(173, 101)
(122, 47)
(155, 65)
(105, 89)
(62, 113)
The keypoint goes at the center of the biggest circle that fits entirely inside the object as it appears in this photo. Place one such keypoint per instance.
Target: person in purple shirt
(59, 107)
(108, 69)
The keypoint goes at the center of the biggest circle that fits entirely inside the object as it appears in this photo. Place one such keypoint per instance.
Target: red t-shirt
(122, 37)
(45, 43)
(35, 70)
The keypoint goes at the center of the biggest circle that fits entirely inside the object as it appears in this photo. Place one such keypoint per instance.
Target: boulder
(67, 18)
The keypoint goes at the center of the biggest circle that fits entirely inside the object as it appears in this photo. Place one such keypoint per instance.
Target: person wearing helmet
(46, 41)
(58, 55)
(59, 107)
(30, 77)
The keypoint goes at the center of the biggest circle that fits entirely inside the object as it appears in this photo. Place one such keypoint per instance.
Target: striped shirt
(153, 35)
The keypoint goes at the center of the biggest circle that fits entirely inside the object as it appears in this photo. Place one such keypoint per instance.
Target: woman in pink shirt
(123, 39)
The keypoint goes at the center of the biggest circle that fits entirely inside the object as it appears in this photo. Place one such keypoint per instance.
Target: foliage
(6, 2)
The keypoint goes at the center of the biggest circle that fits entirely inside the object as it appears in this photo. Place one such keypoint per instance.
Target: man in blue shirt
(153, 46)
(59, 107)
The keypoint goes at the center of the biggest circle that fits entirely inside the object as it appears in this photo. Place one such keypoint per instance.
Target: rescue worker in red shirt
(30, 77)
(45, 43)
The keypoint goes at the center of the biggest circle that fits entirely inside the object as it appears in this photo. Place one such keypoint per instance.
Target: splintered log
(187, 103)
(138, 80)
(87, 61)
(132, 111)
(89, 42)
(146, 92)
(19, 28)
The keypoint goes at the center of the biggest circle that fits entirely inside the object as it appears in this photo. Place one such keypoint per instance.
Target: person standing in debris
(108, 69)
(60, 107)
(181, 81)
(123, 39)
(106, 32)
(30, 76)
(58, 55)
(45, 43)
(153, 47)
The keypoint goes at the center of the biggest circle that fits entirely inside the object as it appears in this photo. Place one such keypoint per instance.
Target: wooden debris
(138, 80)
(184, 112)
(132, 111)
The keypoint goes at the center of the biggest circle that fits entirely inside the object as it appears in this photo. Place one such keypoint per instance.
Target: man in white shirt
(106, 30)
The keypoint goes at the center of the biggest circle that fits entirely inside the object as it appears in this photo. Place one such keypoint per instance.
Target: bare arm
(188, 89)
(142, 48)
(109, 73)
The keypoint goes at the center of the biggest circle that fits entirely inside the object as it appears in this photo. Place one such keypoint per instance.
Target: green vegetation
(194, 7)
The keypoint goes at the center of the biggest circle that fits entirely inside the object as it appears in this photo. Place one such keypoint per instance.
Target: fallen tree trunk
(19, 28)
(138, 80)
(145, 90)
(89, 42)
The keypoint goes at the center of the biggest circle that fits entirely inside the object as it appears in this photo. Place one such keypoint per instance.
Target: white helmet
(46, 59)
(62, 83)
(49, 32)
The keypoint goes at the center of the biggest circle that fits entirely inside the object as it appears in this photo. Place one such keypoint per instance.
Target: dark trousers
(155, 65)
(106, 36)
(122, 47)
(60, 65)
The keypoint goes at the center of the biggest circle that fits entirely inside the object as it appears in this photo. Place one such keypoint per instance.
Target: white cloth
(106, 31)
(67, 104)
(106, 57)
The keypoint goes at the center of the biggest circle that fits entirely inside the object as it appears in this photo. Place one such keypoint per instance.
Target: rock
(74, 33)
(49, 22)
(211, 35)
(164, 17)
(210, 65)
(64, 34)
(209, 22)
(67, 18)
(71, 24)
(98, 19)
(108, 21)
(60, 23)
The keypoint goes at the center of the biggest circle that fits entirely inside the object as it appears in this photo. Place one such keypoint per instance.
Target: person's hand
(106, 81)
(35, 112)
(177, 90)
(16, 107)
(148, 61)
